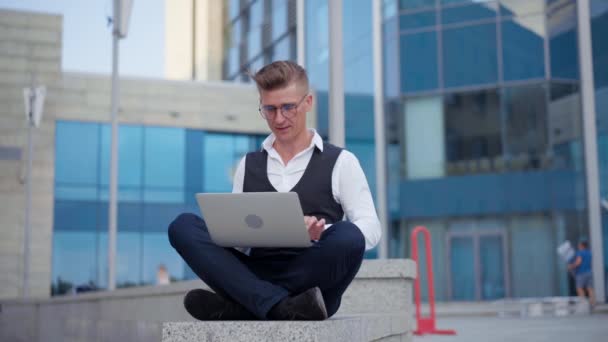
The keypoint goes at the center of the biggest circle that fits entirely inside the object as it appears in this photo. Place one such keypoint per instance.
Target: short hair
(584, 243)
(280, 74)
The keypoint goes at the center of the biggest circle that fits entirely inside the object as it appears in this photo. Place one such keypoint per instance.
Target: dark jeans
(260, 281)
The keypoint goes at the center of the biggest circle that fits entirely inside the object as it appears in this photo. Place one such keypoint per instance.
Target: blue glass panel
(220, 151)
(279, 18)
(194, 164)
(462, 268)
(415, 4)
(469, 55)
(453, 2)
(282, 49)
(75, 192)
(452, 15)
(76, 153)
(234, 7)
(317, 43)
(156, 252)
(417, 20)
(130, 157)
(76, 215)
(74, 260)
(164, 157)
(128, 259)
(419, 62)
(599, 32)
(563, 40)
(492, 270)
(158, 216)
(523, 48)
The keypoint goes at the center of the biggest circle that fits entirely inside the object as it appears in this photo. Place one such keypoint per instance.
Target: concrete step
(348, 328)
(137, 314)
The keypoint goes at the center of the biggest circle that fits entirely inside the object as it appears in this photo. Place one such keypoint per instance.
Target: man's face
(285, 111)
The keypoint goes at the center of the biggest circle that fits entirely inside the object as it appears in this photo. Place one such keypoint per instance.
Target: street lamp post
(34, 102)
(122, 11)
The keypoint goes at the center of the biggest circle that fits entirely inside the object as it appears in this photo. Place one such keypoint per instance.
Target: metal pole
(590, 143)
(336, 75)
(28, 201)
(113, 207)
(300, 33)
(379, 126)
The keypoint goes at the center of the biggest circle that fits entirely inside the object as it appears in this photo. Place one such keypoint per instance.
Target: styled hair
(280, 74)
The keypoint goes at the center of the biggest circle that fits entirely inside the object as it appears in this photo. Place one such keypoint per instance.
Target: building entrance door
(477, 265)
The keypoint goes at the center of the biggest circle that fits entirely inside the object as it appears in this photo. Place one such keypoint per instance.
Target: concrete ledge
(381, 290)
(357, 328)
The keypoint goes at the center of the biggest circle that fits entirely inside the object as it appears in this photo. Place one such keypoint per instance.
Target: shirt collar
(316, 141)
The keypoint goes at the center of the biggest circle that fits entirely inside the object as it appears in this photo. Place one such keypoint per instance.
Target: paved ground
(567, 329)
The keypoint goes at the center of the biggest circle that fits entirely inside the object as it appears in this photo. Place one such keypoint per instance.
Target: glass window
(129, 156)
(158, 252)
(563, 42)
(233, 60)
(474, 12)
(222, 160)
(279, 18)
(77, 153)
(599, 32)
(234, 8)
(389, 8)
(455, 2)
(565, 127)
(282, 49)
(523, 48)
(419, 62)
(415, 4)
(317, 43)
(472, 131)
(417, 20)
(525, 119)
(254, 42)
(469, 55)
(510, 8)
(424, 126)
(164, 156)
(74, 261)
(128, 259)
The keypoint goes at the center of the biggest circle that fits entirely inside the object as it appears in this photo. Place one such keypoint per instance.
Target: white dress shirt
(348, 182)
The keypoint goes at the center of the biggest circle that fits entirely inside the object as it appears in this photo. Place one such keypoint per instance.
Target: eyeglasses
(288, 110)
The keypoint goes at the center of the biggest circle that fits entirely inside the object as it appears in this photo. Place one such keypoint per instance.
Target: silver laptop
(254, 219)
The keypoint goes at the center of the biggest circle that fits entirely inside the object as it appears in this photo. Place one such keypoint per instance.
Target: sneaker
(307, 306)
(207, 306)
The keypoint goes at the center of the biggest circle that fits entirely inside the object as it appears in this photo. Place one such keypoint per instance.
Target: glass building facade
(160, 170)
(257, 33)
(486, 96)
(599, 32)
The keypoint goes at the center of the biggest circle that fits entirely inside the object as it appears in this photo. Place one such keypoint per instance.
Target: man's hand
(315, 227)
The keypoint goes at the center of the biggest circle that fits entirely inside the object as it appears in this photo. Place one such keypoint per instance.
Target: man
(286, 283)
(581, 265)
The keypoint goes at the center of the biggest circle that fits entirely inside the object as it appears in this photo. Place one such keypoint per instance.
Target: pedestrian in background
(581, 266)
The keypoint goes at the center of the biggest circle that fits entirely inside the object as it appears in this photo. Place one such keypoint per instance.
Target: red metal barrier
(426, 325)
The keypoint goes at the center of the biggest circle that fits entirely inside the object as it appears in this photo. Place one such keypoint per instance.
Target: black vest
(314, 188)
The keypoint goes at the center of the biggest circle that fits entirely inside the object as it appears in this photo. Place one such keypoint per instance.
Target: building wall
(30, 44)
(203, 38)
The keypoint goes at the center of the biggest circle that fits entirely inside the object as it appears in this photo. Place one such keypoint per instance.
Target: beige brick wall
(30, 48)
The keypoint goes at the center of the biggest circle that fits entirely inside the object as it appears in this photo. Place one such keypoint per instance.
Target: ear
(308, 102)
